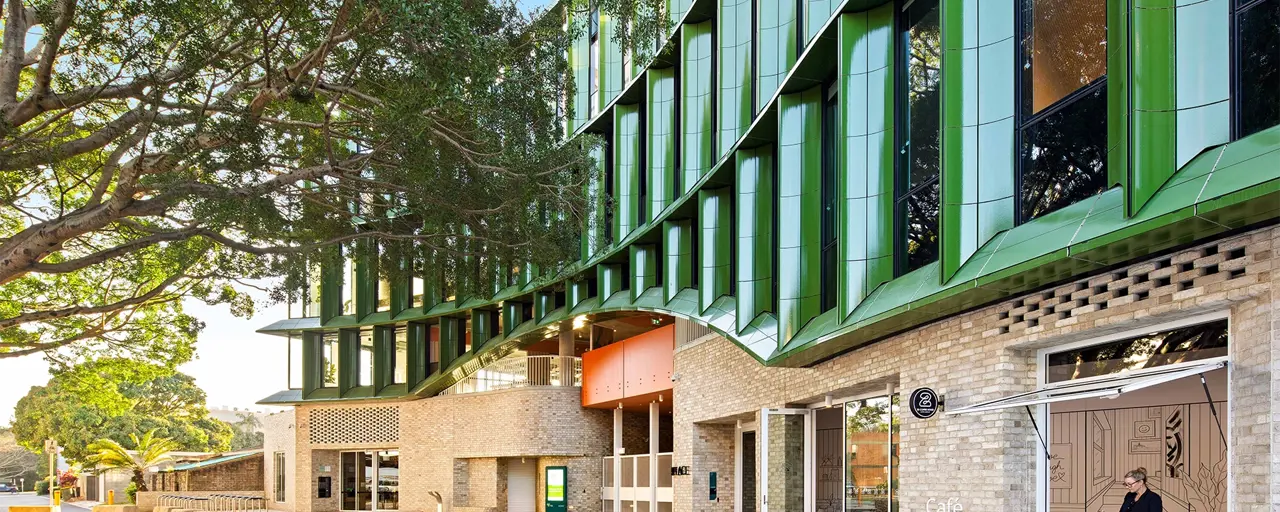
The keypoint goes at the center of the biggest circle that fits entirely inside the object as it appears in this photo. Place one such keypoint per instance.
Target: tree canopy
(154, 150)
(112, 399)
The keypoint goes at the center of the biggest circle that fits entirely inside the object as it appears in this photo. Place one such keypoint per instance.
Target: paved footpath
(8, 500)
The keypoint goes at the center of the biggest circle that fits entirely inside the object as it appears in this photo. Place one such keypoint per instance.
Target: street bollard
(111, 497)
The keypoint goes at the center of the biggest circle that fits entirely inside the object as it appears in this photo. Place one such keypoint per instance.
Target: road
(8, 500)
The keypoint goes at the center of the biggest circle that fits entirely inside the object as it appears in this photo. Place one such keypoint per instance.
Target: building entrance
(370, 480)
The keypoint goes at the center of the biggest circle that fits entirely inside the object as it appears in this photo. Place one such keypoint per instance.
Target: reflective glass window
(830, 184)
(1063, 156)
(400, 365)
(1148, 351)
(366, 358)
(1258, 66)
(871, 454)
(1064, 48)
(1063, 127)
(389, 480)
(329, 360)
(919, 115)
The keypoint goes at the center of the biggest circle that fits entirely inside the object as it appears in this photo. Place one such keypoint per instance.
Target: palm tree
(148, 451)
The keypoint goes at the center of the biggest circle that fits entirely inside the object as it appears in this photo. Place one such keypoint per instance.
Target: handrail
(519, 370)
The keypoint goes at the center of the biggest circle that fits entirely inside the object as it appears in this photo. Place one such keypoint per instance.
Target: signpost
(925, 403)
(557, 489)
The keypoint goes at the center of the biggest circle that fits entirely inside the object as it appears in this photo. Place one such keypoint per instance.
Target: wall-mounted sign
(925, 403)
(557, 489)
(679, 470)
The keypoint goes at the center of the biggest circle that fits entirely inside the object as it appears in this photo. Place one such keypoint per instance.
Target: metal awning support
(1102, 386)
(1039, 435)
(1213, 410)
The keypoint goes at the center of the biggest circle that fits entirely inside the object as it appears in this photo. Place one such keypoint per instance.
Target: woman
(1140, 498)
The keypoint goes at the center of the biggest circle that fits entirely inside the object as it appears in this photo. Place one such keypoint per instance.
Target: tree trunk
(137, 479)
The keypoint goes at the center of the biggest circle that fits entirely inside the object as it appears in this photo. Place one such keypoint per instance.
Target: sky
(234, 365)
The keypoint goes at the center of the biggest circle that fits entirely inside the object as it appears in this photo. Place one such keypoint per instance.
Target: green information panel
(557, 489)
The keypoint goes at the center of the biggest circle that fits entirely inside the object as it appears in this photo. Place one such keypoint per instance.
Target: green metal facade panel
(1202, 50)
(366, 281)
(756, 219)
(677, 256)
(418, 347)
(715, 237)
(384, 350)
(644, 269)
(594, 235)
(611, 82)
(776, 50)
(576, 291)
(579, 64)
(755, 233)
(799, 210)
(660, 125)
(1153, 125)
(626, 170)
(866, 156)
(733, 102)
(816, 13)
(1118, 114)
(978, 170)
(695, 105)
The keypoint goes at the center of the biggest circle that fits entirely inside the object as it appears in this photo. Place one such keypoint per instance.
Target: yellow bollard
(57, 496)
(111, 497)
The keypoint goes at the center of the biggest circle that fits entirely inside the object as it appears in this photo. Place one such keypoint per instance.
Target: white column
(617, 459)
(654, 432)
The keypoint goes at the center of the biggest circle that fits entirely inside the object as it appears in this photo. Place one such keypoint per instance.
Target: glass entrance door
(785, 455)
(367, 471)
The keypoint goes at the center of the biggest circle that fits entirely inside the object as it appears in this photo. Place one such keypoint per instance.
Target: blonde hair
(1138, 475)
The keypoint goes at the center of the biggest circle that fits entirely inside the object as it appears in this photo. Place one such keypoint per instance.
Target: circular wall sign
(924, 403)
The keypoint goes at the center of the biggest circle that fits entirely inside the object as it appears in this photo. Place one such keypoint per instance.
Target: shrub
(132, 492)
(42, 488)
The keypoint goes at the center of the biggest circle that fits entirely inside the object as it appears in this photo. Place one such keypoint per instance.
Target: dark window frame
(829, 231)
(903, 191)
(1238, 8)
(1025, 121)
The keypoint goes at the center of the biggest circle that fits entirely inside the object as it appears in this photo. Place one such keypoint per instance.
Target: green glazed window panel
(714, 246)
(644, 269)
(608, 280)
(331, 285)
(1201, 127)
(816, 14)
(1118, 95)
(348, 360)
(661, 127)
(626, 162)
(995, 21)
(677, 9)
(1153, 121)
(695, 106)
(579, 58)
(384, 346)
(1202, 39)
(734, 62)
(866, 184)
(799, 210)
(543, 303)
(593, 235)
(677, 260)
(512, 316)
(577, 291)
(755, 240)
(416, 335)
(996, 81)
(775, 46)
(451, 341)
(960, 24)
(611, 67)
(366, 276)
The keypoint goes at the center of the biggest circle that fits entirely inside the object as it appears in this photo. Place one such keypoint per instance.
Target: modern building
(937, 255)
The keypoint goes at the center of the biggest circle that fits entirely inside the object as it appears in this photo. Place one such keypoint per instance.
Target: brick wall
(448, 439)
(987, 461)
(279, 435)
(244, 474)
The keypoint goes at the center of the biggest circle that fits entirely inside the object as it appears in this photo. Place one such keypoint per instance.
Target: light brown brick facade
(455, 445)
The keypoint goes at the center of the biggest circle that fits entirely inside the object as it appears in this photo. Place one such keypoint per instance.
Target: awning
(1104, 386)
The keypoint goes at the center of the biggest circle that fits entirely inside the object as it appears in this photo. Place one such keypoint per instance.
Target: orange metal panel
(602, 375)
(639, 366)
(649, 360)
